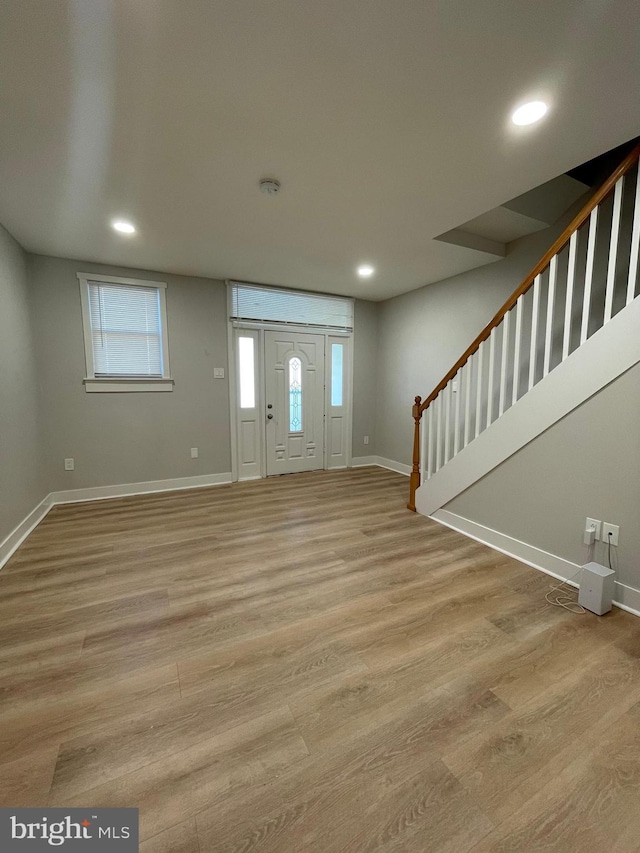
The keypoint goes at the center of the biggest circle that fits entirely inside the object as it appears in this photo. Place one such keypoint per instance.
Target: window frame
(117, 383)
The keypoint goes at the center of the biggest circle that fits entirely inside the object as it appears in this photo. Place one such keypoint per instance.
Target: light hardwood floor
(301, 664)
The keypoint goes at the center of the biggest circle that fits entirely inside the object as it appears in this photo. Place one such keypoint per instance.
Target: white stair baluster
(551, 296)
(503, 363)
(430, 426)
(588, 278)
(534, 332)
(468, 370)
(438, 403)
(635, 244)
(447, 422)
(568, 303)
(492, 358)
(516, 353)
(479, 389)
(456, 417)
(613, 249)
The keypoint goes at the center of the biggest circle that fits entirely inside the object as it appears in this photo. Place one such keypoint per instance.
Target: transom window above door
(263, 304)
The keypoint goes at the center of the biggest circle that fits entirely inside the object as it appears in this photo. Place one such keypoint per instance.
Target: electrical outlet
(69, 464)
(218, 372)
(597, 525)
(366, 439)
(194, 452)
(610, 528)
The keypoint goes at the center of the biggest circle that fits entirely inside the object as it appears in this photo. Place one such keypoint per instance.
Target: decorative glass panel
(336, 374)
(247, 373)
(295, 395)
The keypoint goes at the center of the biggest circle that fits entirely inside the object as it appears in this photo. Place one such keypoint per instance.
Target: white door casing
(294, 401)
(248, 403)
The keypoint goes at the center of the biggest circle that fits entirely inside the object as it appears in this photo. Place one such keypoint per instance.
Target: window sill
(111, 385)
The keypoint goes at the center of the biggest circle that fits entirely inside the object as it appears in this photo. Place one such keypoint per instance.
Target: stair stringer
(607, 354)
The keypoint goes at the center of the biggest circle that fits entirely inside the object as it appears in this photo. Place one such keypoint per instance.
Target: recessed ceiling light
(123, 227)
(365, 271)
(529, 113)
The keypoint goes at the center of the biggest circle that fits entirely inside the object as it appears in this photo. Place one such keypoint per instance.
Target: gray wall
(22, 484)
(365, 346)
(131, 437)
(135, 437)
(423, 333)
(588, 464)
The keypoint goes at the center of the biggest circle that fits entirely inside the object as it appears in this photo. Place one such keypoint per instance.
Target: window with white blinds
(125, 328)
(275, 305)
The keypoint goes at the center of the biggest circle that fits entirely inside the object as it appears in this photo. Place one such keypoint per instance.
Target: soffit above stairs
(527, 213)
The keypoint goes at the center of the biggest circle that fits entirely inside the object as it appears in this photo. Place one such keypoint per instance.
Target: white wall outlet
(366, 439)
(597, 525)
(194, 452)
(610, 528)
(218, 372)
(69, 464)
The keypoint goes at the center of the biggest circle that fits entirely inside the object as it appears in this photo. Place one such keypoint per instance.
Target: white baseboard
(627, 598)
(97, 493)
(381, 462)
(20, 533)
(392, 465)
(363, 461)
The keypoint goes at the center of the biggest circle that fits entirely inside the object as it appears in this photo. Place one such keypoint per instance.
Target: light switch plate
(218, 372)
(194, 452)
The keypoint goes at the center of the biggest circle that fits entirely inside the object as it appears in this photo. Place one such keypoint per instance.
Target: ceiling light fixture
(365, 271)
(123, 227)
(529, 113)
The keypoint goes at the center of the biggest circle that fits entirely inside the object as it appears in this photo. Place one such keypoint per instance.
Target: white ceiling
(385, 120)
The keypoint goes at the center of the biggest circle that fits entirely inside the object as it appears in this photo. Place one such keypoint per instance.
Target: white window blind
(126, 330)
(275, 305)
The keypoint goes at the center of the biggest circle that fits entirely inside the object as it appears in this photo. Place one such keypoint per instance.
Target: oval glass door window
(295, 395)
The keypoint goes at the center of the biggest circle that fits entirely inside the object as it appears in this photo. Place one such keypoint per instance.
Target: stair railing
(502, 365)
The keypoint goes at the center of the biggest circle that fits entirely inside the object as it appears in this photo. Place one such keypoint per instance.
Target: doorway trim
(234, 326)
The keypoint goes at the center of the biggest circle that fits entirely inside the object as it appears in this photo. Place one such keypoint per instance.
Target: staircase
(569, 329)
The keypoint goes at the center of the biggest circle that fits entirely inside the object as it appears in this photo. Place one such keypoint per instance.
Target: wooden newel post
(414, 479)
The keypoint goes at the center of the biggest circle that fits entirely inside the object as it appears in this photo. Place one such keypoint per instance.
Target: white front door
(294, 402)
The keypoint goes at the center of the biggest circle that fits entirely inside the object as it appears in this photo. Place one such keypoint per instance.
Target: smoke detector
(269, 186)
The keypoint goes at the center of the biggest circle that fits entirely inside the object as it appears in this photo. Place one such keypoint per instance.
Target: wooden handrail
(596, 199)
(419, 407)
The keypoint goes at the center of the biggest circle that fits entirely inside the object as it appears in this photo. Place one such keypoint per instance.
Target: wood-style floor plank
(301, 664)
(180, 838)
